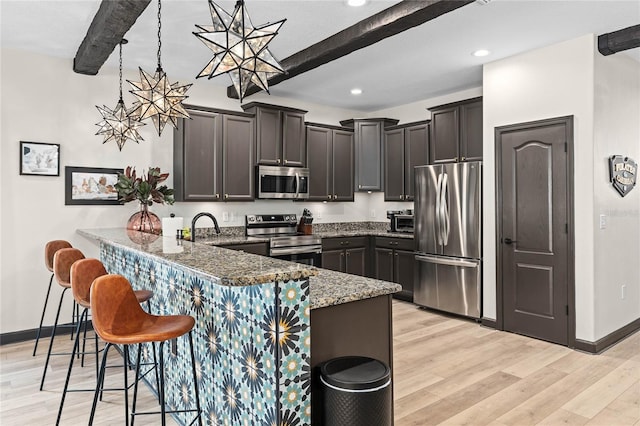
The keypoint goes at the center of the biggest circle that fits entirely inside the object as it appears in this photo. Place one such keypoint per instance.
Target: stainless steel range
(285, 242)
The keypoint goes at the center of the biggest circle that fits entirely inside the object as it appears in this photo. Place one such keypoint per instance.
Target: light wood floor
(447, 371)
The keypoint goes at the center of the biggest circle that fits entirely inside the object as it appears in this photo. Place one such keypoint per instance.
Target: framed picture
(39, 159)
(90, 186)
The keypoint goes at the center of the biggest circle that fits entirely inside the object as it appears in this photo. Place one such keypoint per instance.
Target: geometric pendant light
(156, 97)
(239, 48)
(119, 124)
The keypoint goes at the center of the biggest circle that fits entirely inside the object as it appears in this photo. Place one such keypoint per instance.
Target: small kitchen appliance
(273, 182)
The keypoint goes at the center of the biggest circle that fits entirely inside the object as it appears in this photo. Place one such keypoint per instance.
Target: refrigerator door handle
(447, 261)
(438, 212)
(444, 205)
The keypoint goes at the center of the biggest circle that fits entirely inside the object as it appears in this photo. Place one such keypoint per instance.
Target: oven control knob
(259, 219)
(251, 219)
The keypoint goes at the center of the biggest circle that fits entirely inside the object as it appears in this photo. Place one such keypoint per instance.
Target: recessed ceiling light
(356, 91)
(481, 52)
(356, 3)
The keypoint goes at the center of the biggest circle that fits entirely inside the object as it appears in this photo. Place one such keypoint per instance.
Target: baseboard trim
(488, 322)
(608, 340)
(25, 335)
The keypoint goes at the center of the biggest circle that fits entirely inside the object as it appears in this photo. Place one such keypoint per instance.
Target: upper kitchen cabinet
(213, 156)
(405, 147)
(456, 132)
(369, 134)
(330, 161)
(280, 134)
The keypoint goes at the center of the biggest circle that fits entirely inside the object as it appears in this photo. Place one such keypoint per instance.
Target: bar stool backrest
(83, 272)
(62, 261)
(50, 249)
(115, 310)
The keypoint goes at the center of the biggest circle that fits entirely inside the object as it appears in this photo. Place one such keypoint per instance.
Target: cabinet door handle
(462, 158)
(456, 159)
(341, 254)
(285, 161)
(217, 196)
(329, 196)
(335, 197)
(402, 197)
(226, 196)
(359, 186)
(278, 160)
(396, 254)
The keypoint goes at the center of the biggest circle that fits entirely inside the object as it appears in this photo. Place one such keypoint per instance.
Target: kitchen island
(262, 324)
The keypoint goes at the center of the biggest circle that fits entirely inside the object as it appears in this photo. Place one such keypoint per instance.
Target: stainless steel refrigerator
(448, 230)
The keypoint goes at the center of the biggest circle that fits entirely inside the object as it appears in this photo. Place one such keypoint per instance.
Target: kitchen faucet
(198, 216)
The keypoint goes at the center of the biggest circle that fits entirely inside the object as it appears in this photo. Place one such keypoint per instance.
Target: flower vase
(145, 221)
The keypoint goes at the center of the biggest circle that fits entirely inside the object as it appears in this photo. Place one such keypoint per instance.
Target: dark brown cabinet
(330, 163)
(213, 156)
(405, 147)
(280, 134)
(369, 133)
(394, 261)
(346, 254)
(255, 248)
(456, 132)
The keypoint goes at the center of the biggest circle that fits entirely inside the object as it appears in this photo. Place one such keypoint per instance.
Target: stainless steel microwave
(402, 223)
(282, 182)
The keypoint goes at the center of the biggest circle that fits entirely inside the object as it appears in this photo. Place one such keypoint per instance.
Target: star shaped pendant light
(119, 124)
(157, 98)
(239, 48)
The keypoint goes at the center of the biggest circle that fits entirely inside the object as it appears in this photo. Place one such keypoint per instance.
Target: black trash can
(356, 391)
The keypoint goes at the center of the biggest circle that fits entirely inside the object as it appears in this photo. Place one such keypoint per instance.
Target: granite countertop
(235, 268)
(229, 267)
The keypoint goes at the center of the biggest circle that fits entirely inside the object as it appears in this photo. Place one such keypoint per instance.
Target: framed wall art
(39, 159)
(91, 186)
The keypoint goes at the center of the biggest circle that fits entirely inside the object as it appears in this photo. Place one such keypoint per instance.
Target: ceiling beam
(111, 23)
(617, 41)
(389, 22)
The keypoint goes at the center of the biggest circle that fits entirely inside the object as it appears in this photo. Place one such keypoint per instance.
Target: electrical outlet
(603, 221)
(318, 215)
(623, 289)
(225, 216)
(232, 217)
(372, 213)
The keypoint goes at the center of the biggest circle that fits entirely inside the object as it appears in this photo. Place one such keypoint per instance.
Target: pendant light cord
(120, 74)
(159, 34)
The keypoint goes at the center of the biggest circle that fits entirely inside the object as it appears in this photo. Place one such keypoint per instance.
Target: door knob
(509, 241)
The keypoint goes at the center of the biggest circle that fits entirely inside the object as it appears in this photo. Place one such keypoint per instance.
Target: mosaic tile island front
(252, 336)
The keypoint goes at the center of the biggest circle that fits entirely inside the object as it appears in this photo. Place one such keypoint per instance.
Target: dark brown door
(394, 165)
(197, 148)
(356, 261)
(269, 136)
(319, 163)
(471, 131)
(534, 215)
(445, 135)
(416, 153)
(342, 162)
(238, 157)
(293, 146)
(383, 264)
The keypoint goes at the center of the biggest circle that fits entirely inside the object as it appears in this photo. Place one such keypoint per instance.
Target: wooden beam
(617, 41)
(389, 22)
(111, 23)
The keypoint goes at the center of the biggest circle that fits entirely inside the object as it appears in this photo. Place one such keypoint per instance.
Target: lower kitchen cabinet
(255, 248)
(346, 254)
(394, 261)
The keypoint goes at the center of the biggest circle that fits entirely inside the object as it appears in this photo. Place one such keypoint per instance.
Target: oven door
(309, 255)
(283, 182)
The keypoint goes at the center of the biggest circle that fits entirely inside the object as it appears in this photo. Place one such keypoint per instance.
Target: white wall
(617, 247)
(603, 95)
(43, 100)
(549, 82)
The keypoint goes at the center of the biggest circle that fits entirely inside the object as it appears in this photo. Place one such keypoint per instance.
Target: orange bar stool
(82, 274)
(62, 261)
(49, 250)
(119, 319)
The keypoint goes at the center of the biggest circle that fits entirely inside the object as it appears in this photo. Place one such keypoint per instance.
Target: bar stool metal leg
(44, 308)
(195, 379)
(53, 335)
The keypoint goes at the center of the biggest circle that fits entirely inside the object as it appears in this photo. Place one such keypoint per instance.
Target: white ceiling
(426, 61)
